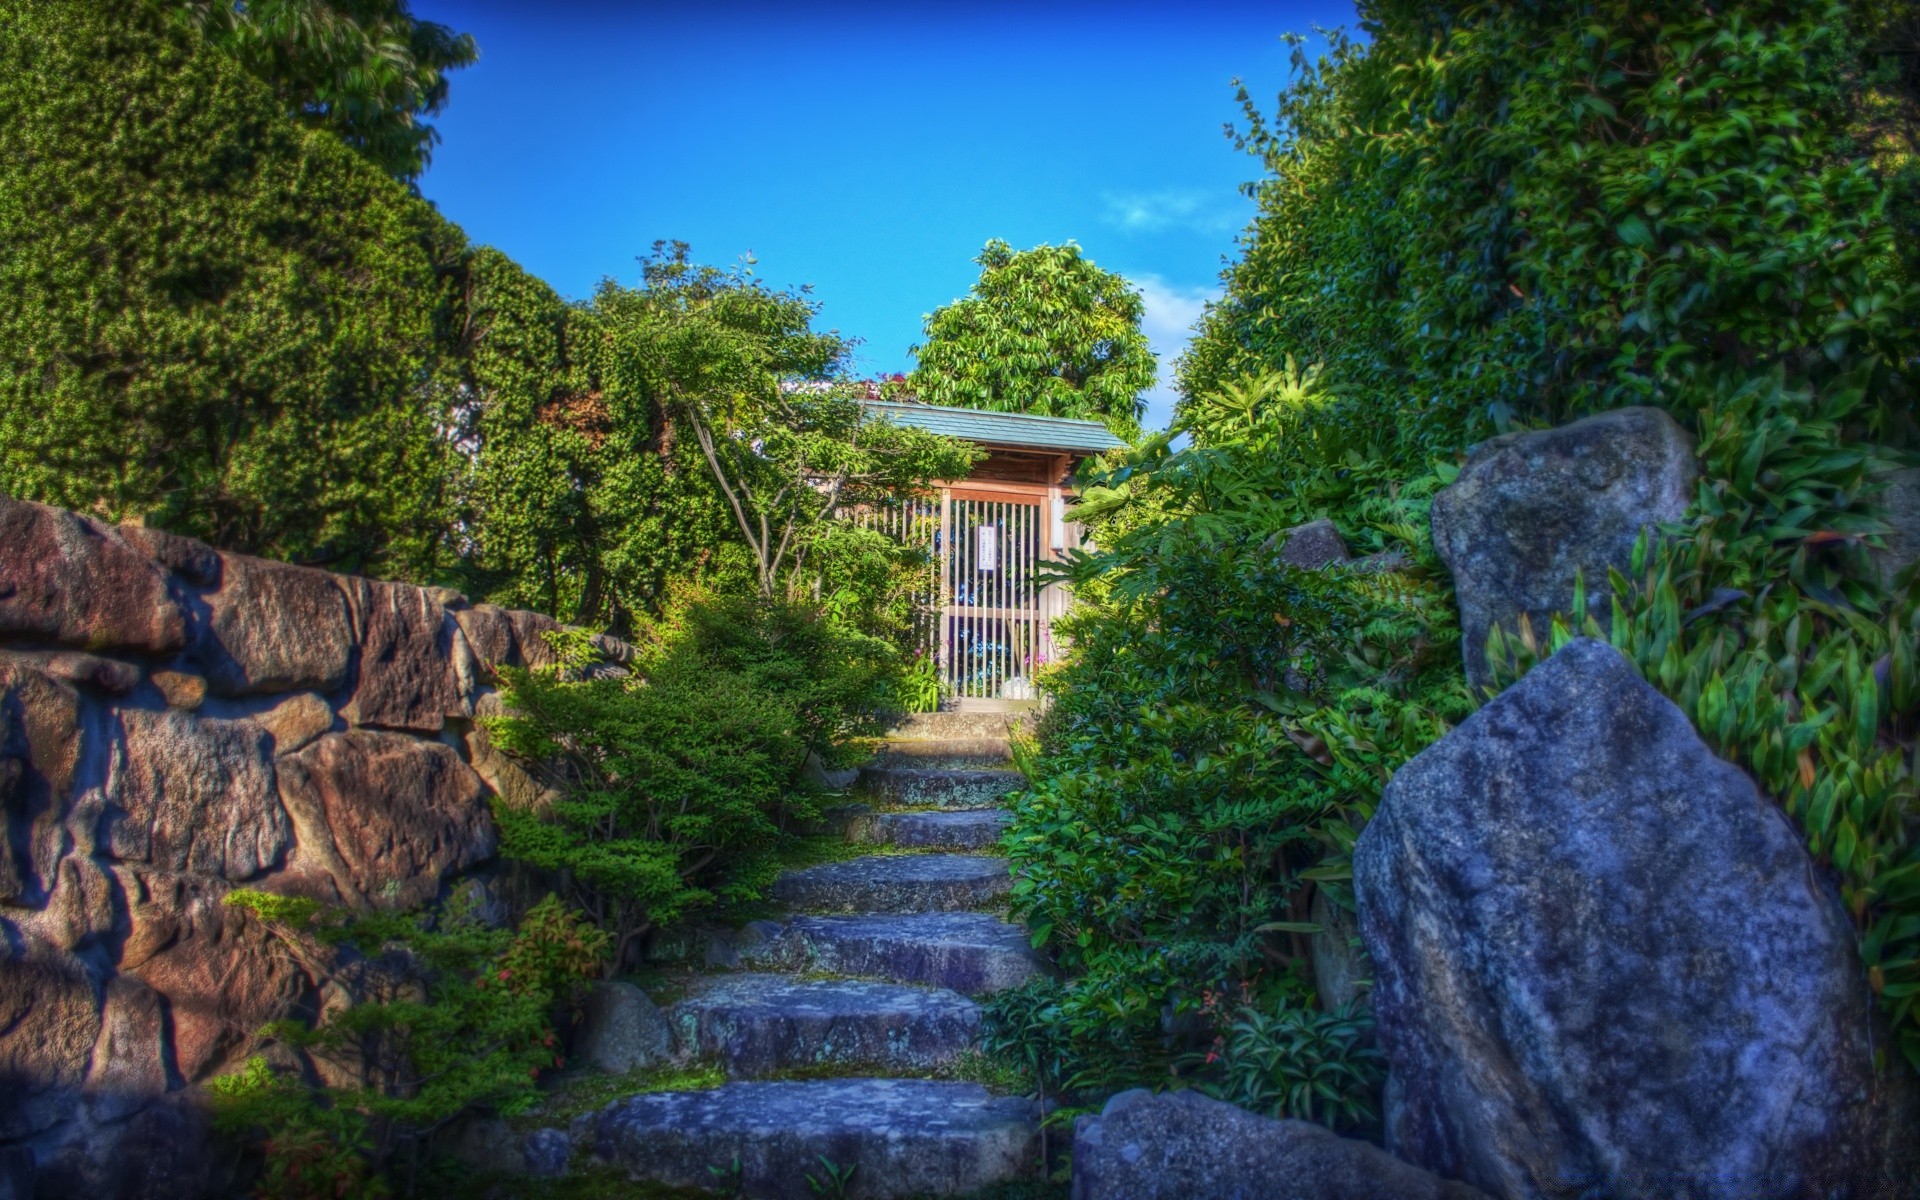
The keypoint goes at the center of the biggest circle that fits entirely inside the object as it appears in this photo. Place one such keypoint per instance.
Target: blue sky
(867, 149)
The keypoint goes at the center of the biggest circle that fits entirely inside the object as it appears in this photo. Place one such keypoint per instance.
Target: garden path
(841, 1028)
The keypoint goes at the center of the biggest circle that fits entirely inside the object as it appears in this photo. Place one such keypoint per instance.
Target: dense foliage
(680, 788)
(210, 318)
(1485, 217)
(1226, 722)
(364, 70)
(1042, 331)
(450, 1015)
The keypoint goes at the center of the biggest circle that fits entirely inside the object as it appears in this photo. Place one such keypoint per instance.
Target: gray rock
(949, 726)
(622, 1029)
(828, 779)
(1900, 504)
(1604, 964)
(406, 676)
(972, 953)
(1530, 510)
(967, 753)
(751, 943)
(272, 627)
(70, 581)
(545, 1153)
(383, 818)
(963, 829)
(108, 675)
(948, 787)
(1185, 1146)
(1339, 965)
(758, 1024)
(194, 795)
(494, 1146)
(1313, 545)
(901, 1137)
(897, 883)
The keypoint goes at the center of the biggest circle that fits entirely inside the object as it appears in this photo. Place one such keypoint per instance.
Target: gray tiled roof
(1000, 429)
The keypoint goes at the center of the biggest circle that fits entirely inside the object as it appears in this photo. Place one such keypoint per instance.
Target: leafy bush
(449, 1015)
(678, 787)
(1225, 723)
(366, 70)
(1295, 1061)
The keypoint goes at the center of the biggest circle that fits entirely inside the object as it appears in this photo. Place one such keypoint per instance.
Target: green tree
(211, 318)
(1043, 331)
(364, 70)
(685, 430)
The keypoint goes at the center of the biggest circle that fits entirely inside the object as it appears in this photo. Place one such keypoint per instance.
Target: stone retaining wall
(176, 722)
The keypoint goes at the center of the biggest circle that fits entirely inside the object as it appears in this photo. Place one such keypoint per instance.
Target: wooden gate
(988, 616)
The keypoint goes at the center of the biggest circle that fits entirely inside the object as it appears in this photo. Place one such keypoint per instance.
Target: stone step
(974, 753)
(960, 829)
(900, 1137)
(946, 787)
(968, 952)
(896, 883)
(950, 726)
(758, 1024)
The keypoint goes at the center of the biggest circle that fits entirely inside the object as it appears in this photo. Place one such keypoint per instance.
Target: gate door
(994, 624)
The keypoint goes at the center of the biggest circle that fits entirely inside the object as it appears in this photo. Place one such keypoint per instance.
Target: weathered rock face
(1900, 503)
(1531, 510)
(1338, 965)
(193, 795)
(407, 659)
(622, 1030)
(1314, 545)
(276, 628)
(1184, 1146)
(401, 814)
(68, 581)
(1603, 962)
(175, 722)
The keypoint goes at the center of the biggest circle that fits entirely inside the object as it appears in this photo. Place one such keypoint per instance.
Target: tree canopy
(1043, 331)
(366, 70)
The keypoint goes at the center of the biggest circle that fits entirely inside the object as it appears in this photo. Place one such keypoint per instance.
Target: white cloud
(1171, 311)
(1157, 212)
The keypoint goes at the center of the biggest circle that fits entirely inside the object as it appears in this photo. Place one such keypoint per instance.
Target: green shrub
(1487, 217)
(679, 788)
(1225, 723)
(449, 1016)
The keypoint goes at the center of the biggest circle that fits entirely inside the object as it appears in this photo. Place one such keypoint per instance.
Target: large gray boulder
(1900, 509)
(1531, 510)
(1185, 1146)
(622, 1029)
(1605, 965)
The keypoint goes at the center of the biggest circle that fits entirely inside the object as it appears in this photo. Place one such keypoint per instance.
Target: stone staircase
(875, 974)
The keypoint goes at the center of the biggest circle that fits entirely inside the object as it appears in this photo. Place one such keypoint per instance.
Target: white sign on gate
(987, 549)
